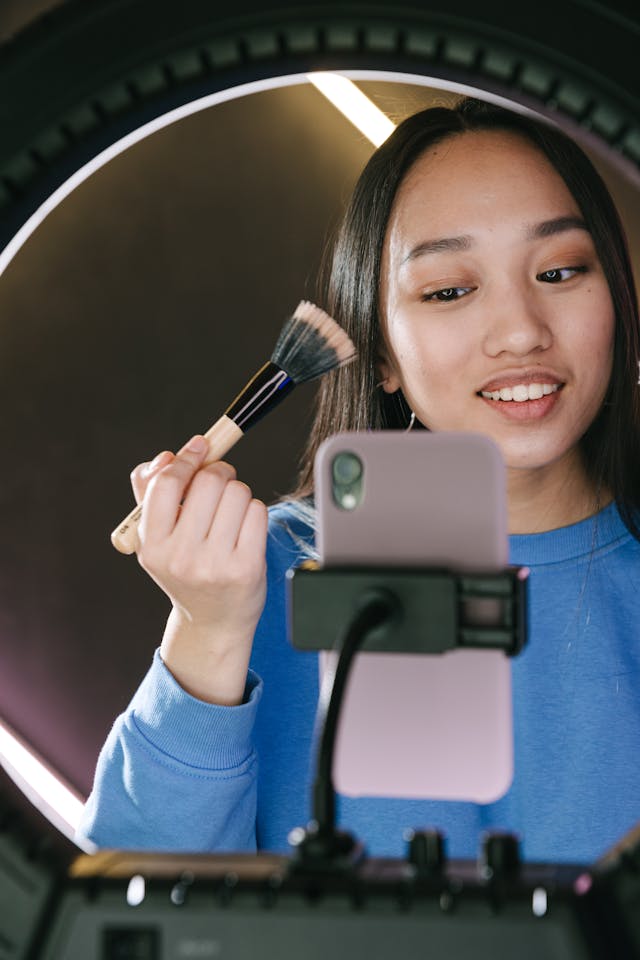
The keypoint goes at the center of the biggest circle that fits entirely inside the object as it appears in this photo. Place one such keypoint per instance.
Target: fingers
(227, 522)
(203, 541)
(168, 487)
(252, 538)
(204, 500)
(142, 475)
(196, 505)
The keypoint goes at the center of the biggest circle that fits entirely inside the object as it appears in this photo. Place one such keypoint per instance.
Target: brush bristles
(311, 343)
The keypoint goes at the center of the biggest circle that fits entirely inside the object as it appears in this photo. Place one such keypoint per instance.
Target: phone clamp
(409, 610)
(435, 609)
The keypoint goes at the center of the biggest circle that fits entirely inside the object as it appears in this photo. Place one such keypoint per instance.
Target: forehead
(478, 177)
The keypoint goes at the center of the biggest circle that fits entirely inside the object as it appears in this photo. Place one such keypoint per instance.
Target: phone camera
(346, 473)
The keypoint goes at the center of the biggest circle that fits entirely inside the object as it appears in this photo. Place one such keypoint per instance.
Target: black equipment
(56, 905)
(328, 897)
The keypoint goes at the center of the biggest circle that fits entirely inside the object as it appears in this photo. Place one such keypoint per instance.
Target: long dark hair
(349, 398)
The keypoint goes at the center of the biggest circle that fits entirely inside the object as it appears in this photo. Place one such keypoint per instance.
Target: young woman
(482, 272)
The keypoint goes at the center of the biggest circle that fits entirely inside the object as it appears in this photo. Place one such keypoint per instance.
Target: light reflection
(539, 902)
(136, 890)
(46, 790)
(355, 106)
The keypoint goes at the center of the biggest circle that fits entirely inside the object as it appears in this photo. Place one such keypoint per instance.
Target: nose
(518, 325)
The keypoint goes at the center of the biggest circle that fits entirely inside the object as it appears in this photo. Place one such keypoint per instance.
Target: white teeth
(522, 391)
(536, 390)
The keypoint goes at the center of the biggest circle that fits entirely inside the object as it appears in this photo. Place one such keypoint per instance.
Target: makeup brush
(310, 344)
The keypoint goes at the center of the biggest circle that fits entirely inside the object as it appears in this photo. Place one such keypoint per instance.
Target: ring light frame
(93, 72)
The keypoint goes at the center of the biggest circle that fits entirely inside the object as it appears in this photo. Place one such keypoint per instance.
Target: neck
(552, 496)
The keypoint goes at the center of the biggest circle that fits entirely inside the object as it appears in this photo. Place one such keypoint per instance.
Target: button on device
(426, 852)
(499, 855)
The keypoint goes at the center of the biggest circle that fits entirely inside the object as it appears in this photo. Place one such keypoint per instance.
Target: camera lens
(347, 468)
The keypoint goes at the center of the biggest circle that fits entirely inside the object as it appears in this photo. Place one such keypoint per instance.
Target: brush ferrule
(265, 390)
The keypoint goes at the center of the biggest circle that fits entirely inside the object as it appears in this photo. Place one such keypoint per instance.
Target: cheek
(429, 361)
(594, 341)
(415, 359)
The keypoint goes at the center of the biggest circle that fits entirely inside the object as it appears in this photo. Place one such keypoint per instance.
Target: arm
(178, 770)
(176, 773)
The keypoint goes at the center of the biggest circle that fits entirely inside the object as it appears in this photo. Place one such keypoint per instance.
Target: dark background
(129, 321)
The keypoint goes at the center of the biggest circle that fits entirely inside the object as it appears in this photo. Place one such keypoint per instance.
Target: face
(496, 314)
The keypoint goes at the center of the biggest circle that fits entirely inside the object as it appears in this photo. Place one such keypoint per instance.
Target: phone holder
(434, 609)
(400, 610)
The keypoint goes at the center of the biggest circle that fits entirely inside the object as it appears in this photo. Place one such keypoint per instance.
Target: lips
(522, 396)
(521, 385)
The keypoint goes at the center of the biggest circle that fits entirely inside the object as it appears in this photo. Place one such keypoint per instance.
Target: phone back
(419, 726)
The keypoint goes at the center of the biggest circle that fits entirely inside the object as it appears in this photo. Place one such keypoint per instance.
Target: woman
(482, 273)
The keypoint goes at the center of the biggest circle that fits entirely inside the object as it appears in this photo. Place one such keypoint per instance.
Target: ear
(387, 377)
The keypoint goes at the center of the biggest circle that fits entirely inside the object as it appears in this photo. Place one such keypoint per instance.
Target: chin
(529, 460)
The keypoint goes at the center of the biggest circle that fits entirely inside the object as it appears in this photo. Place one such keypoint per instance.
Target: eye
(559, 274)
(446, 295)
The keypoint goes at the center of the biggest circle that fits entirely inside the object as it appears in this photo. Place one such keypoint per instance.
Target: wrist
(208, 661)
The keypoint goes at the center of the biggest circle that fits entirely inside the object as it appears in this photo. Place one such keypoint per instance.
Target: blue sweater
(180, 774)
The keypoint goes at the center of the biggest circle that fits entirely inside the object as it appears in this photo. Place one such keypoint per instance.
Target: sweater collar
(602, 531)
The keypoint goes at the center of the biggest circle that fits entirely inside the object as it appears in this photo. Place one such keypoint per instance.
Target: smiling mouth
(521, 392)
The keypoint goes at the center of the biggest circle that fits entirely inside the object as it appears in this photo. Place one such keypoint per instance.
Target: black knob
(499, 855)
(426, 851)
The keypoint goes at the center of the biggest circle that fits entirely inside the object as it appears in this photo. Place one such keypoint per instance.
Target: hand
(203, 539)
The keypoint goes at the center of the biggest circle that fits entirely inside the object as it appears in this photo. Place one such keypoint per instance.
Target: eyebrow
(549, 228)
(442, 245)
(538, 231)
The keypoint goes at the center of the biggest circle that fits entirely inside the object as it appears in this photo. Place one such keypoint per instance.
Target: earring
(412, 420)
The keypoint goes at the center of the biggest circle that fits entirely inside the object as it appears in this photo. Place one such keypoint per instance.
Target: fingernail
(197, 444)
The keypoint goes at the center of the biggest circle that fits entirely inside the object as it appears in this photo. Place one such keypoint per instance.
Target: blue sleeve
(176, 773)
(179, 774)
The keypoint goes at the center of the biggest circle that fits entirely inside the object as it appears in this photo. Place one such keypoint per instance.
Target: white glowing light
(355, 105)
(539, 902)
(136, 890)
(59, 803)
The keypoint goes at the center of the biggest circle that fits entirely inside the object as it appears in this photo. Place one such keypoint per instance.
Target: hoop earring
(412, 420)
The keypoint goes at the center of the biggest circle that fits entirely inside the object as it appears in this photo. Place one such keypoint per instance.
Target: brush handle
(223, 435)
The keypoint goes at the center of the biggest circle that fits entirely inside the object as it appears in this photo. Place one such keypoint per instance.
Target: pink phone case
(421, 726)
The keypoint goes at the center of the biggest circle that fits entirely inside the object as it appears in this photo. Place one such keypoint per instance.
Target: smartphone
(428, 726)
